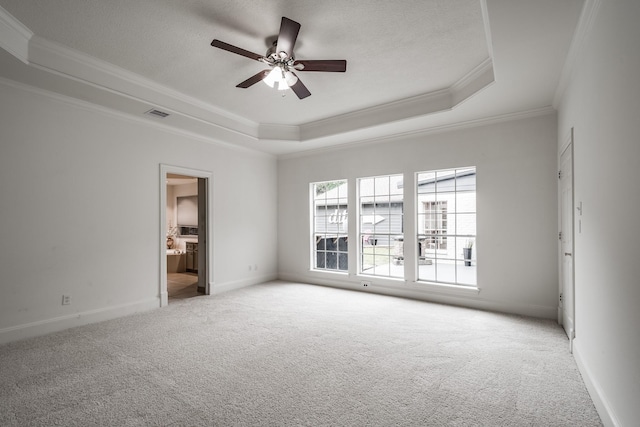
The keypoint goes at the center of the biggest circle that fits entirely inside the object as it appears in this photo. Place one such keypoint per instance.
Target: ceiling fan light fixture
(280, 79)
(275, 75)
(290, 78)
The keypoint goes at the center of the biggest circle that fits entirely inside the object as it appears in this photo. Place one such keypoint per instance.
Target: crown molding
(61, 60)
(585, 23)
(520, 115)
(373, 116)
(487, 26)
(14, 36)
(473, 82)
(64, 61)
(52, 56)
(421, 105)
(140, 120)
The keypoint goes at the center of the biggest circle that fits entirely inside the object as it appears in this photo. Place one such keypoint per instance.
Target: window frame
(461, 227)
(381, 208)
(338, 215)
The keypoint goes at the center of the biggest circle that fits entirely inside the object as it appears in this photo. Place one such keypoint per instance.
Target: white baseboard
(56, 324)
(47, 326)
(218, 288)
(595, 391)
(470, 298)
(164, 298)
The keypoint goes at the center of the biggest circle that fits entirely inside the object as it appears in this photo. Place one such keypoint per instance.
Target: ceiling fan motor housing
(272, 52)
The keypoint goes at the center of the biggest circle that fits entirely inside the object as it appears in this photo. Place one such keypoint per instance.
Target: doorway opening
(185, 243)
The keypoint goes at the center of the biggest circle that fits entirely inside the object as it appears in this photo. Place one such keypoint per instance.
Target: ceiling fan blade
(338, 65)
(300, 89)
(287, 37)
(234, 49)
(253, 79)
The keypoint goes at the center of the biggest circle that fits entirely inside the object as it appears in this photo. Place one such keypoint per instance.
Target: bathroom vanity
(176, 261)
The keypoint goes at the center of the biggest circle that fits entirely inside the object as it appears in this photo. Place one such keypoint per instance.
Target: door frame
(567, 144)
(166, 169)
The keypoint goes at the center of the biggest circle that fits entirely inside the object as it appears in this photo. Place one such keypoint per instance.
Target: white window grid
(380, 230)
(329, 238)
(442, 241)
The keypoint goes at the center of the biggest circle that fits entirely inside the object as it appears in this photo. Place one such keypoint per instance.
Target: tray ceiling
(407, 61)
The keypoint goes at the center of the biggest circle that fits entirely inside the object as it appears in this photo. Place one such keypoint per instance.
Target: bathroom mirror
(187, 207)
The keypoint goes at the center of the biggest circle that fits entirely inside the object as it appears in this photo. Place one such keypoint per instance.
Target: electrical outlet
(255, 267)
(66, 299)
(249, 267)
(365, 283)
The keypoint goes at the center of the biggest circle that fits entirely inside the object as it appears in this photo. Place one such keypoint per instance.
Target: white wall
(80, 212)
(516, 204)
(602, 104)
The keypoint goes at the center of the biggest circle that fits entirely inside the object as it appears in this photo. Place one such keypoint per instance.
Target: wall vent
(157, 113)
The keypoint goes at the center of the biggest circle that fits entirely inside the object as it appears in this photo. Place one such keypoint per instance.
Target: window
(446, 221)
(381, 229)
(329, 225)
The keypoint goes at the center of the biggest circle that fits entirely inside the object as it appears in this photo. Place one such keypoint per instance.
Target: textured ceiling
(394, 50)
(413, 65)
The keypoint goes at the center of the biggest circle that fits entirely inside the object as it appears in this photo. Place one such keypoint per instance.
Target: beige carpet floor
(293, 354)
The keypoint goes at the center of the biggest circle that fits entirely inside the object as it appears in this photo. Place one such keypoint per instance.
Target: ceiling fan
(282, 62)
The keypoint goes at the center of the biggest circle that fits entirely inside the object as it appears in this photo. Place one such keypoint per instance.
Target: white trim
(446, 288)
(585, 23)
(67, 62)
(487, 26)
(70, 62)
(219, 133)
(47, 326)
(521, 115)
(560, 315)
(164, 170)
(142, 119)
(339, 233)
(219, 288)
(340, 273)
(566, 144)
(64, 61)
(14, 36)
(61, 61)
(477, 79)
(598, 396)
(415, 106)
(468, 298)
